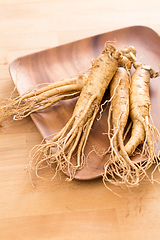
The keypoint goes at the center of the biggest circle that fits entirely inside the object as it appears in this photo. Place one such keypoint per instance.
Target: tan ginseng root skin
(139, 107)
(143, 132)
(120, 170)
(37, 99)
(74, 135)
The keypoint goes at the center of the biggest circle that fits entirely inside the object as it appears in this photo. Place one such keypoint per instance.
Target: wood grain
(57, 209)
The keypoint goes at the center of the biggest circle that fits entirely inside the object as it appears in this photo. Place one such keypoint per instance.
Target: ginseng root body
(74, 135)
(143, 132)
(120, 170)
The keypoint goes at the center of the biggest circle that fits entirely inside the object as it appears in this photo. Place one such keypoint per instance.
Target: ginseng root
(73, 137)
(143, 132)
(37, 99)
(120, 170)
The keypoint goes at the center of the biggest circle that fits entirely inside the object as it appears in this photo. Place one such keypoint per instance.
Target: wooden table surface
(58, 209)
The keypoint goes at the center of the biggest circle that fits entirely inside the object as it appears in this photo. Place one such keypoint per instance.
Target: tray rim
(80, 39)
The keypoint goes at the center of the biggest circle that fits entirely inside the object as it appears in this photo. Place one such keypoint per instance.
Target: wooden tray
(64, 61)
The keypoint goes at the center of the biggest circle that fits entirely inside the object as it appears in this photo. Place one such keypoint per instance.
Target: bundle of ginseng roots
(129, 99)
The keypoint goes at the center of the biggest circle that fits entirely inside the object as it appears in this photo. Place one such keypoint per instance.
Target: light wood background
(60, 210)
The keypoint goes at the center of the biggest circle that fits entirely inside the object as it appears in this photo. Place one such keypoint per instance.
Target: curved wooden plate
(64, 61)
